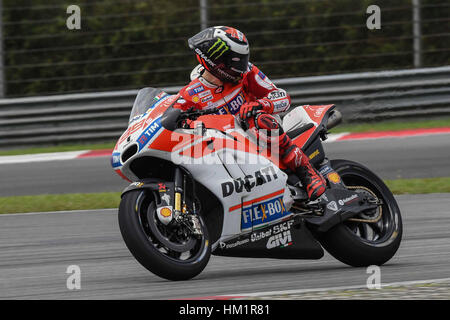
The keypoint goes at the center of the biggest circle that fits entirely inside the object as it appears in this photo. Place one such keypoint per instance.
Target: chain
(366, 220)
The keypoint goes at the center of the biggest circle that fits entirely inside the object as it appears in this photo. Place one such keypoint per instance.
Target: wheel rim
(168, 243)
(386, 229)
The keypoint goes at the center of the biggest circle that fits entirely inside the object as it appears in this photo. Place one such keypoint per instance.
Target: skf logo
(220, 48)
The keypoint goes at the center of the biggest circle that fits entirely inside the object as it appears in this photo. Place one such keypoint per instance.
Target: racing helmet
(223, 51)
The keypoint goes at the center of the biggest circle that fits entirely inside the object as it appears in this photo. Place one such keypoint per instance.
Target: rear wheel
(371, 238)
(171, 251)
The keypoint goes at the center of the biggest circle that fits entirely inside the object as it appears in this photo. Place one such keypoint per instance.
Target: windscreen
(145, 99)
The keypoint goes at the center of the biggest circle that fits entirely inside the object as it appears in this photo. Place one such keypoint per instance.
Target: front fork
(181, 212)
(179, 190)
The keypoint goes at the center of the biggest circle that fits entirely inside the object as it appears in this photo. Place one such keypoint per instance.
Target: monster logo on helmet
(223, 51)
(221, 47)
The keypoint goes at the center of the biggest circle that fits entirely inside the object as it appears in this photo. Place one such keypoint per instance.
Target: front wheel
(371, 238)
(171, 251)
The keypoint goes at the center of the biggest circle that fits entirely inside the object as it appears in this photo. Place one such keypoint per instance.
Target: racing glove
(250, 109)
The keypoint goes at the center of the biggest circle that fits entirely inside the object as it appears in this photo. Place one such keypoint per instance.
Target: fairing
(318, 116)
(223, 158)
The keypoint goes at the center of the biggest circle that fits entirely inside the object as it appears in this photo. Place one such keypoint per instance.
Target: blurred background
(66, 96)
(127, 44)
(62, 85)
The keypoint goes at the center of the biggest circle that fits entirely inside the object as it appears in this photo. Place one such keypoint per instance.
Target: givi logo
(280, 240)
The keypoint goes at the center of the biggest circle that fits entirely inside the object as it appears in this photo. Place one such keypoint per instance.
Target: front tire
(135, 215)
(361, 244)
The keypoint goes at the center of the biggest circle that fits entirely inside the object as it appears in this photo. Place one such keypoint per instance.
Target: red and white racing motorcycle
(205, 187)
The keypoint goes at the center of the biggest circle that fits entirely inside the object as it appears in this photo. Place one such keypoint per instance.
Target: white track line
(39, 157)
(69, 155)
(332, 137)
(75, 154)
(300, 291)
(62, 211)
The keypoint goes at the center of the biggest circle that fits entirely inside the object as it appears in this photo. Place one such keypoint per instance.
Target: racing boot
(311, 179)
(297, 161)
(292, 156)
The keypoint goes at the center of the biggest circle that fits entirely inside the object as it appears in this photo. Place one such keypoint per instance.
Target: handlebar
(193, 114)
(244, 122)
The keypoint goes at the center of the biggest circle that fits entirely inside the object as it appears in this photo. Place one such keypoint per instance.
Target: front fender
(160, 187)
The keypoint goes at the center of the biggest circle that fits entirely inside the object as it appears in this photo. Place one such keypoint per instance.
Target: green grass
(87, 201)
(392, 126)
(59, 202)
(61, 148)
(414, 186)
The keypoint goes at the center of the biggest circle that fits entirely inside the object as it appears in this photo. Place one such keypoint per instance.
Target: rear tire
(354, 243)
(145, 247)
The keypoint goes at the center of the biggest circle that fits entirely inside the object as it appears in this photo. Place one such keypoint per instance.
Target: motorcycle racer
(225, 79)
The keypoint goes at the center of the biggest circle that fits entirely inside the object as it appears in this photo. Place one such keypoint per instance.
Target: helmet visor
(199, 38)
(238, 63)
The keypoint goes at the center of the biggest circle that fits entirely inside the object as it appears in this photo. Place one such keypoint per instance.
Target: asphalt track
(36, 249)
(409, 157)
